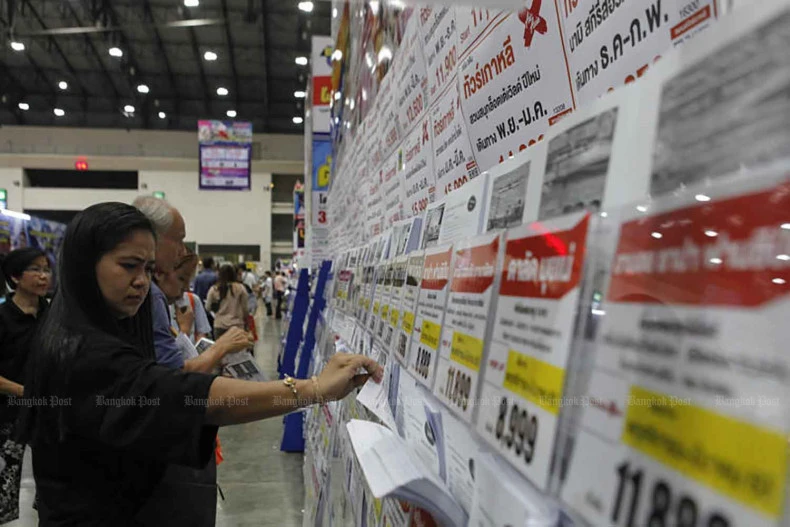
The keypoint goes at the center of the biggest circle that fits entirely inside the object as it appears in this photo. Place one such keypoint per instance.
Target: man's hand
(235, 339)
(185, 318)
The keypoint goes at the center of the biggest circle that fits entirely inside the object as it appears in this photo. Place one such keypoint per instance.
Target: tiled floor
(262, 486)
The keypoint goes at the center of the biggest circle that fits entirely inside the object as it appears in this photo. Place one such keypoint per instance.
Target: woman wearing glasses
(27, 273)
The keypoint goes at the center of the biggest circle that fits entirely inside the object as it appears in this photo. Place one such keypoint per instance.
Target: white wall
(9, 179)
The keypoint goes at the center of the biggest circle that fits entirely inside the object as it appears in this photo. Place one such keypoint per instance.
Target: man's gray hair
(157, 210)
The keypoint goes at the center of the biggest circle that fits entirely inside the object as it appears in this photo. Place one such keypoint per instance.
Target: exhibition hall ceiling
(157, 64)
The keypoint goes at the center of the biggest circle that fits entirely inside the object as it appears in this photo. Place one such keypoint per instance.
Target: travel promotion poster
(531, 342)
(225, 155)
(514, 83)
(689, 368)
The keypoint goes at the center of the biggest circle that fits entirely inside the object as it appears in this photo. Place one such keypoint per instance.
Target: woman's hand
(185, 318)
(341, 375)
(235, 339)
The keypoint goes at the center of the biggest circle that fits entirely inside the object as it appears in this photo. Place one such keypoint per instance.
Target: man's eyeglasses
(39, 271)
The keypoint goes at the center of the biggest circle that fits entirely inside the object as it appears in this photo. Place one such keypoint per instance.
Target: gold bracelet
(290, 382)
(316, 391)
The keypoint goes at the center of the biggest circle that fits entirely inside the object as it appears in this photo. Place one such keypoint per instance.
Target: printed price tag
(531, 341)
(431, 301)
(472, 294)
(682, 420)
(411, 293)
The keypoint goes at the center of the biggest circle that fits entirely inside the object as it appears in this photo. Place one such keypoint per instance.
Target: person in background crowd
(280, 285)
(227, 299)
(98, 464)
(205, 279)
(267, 292)
(27, 273)
(250, 282)
(199, 326)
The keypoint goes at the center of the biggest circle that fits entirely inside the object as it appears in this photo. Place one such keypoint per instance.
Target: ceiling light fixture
(222, 92)
(210, 56)
(298, 120)
(128, 108)
(191, 3)
(24, 106)
(142, 88)
(307, 7)
(300, 94)
(337, 55)
(17, 46)
(301, 61)
(231, 113)
(334, 12)
(58, 112)
(63, 85)
(162, 115)
(116, 52)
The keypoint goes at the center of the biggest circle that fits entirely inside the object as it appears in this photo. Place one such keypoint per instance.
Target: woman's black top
(16, 333)
(125, 418)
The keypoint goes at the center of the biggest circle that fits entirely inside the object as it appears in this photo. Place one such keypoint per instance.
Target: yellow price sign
(744, 461)
(376, 308)
(535, 380)
(467, 351)
(408, 322)
(430, 334)
(385, 310)
(394, 318)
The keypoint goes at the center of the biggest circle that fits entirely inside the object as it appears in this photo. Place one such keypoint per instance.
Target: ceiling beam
(131, 66)
(203, 81)
(54, 43)
(89, 43)
(231, 55)
(264, 38)
(161, 47)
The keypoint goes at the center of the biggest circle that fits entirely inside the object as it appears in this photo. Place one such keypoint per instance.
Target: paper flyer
(609, 44)
(689, 363)
(440, 46)
(399, 268)
(427, 332)
(507, 202)
(531, 342)
(472, 295)
(384, 302)
(514, 83)
(387, 114)
(410, 295)
(392, 190)
(454, 160)
(420, 432)
(461, 448)
(378, 292)
(415, 170)
(432, 225)
(472, 22)
(411, 79)
(374, 206)
(465, 211)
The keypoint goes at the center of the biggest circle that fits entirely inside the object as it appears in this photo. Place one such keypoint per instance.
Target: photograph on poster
(576, 168)
(433, 224)
(508, 194)
(741, 91)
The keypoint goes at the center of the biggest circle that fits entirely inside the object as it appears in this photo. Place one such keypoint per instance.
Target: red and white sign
(462, 349)
(321, 62)
(533, 330)
(415, 170)
(514, 83)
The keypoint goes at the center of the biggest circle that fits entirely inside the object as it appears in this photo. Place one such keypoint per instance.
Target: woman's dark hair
(226, 276)
(78, 312)
(13, 264)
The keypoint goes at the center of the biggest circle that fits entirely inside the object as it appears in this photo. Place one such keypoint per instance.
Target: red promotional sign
(436, 272)
(730, 253)
(545, 266)
(474, 268)
(322, 91)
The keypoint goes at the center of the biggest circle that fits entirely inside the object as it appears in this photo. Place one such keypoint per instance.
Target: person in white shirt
(250, 283)
(268, 292)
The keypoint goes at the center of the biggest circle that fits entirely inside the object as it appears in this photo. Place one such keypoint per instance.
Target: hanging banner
(514, 84)
(322, 163)
(225, 155)
(614, 43)
(321, 63)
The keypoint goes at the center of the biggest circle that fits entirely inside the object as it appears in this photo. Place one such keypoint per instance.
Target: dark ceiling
(256, 42)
